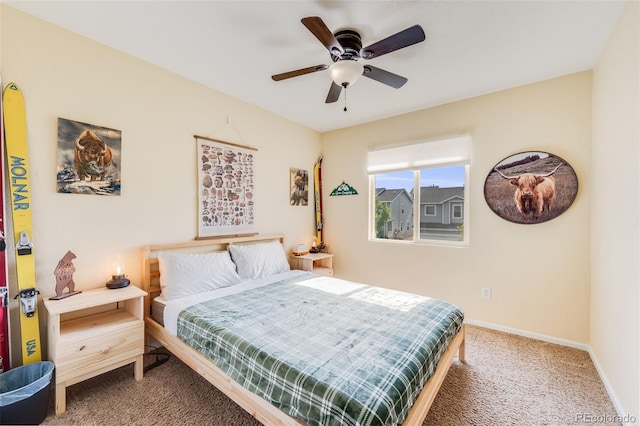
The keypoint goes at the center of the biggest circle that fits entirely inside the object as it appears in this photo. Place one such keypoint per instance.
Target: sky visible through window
(444, 177)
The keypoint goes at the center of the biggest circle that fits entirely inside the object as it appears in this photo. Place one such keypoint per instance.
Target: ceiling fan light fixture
(346, 72)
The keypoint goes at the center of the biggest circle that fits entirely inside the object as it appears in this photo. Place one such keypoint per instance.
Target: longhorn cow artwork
(88, 158)
(531, 187)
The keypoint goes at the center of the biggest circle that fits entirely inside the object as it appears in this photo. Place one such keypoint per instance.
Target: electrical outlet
(486, 293)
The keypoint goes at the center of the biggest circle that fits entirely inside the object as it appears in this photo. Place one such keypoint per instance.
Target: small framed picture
(89, 159)
(298, 187)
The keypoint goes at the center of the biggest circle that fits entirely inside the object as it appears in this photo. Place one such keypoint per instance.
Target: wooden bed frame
(262, 410)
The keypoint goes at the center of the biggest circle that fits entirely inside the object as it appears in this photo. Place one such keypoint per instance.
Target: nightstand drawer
(79, 356)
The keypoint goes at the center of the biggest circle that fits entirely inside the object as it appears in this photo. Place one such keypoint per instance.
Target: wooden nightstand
(94, 332)
(318, 263)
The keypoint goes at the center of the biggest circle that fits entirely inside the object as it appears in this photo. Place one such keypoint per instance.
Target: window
(456, 211)
(429, 177)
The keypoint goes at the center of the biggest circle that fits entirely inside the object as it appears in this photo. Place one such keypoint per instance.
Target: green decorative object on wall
(343, 189)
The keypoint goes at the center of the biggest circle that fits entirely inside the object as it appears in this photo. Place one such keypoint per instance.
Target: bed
(294, 348)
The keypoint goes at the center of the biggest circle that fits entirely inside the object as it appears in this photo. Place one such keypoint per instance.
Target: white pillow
(184, 274)
(259, 260)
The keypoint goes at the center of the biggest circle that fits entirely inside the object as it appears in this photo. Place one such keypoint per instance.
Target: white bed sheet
(174, 307)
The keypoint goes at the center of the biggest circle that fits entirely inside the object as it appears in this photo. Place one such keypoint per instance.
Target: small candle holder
(118, 280)
(314, 245)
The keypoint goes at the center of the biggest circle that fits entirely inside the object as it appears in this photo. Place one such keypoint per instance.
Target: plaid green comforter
(358, 358)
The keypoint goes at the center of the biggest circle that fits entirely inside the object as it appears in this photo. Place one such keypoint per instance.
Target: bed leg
(461, 349)
(138, 367)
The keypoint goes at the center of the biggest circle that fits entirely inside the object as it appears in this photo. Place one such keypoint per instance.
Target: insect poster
(226, 191)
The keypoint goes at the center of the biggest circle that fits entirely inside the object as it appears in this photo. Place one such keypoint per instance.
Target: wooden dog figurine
(64, 277)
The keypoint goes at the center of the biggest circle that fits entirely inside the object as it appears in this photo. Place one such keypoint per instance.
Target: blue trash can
(24, 394)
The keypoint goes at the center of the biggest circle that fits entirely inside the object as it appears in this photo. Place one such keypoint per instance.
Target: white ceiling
(472, 47)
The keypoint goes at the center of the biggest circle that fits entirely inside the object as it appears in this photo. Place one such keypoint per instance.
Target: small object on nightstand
(315, 247)
(118, 280)
(64, 277)
(300, 250)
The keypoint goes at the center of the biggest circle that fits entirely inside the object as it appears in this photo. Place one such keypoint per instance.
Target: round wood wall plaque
(530, 187)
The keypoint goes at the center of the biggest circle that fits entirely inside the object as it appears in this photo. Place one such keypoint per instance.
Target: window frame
(435, 210)
(432, 162)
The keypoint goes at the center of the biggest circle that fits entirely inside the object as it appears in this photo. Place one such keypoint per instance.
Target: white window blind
(444, 152)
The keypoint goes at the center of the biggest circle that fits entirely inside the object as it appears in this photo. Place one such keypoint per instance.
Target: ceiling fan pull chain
(345, 97)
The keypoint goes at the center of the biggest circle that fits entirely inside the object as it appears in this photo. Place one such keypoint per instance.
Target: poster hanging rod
(225, 142)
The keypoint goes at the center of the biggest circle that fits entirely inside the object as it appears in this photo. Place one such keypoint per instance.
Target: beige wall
(63, 75)
(538, 274)
(615, 224)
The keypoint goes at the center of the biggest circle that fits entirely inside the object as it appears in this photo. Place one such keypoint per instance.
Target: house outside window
(432, 178)
(399, 223)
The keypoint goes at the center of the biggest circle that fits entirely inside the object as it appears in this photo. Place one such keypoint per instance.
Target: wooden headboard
(151, 269)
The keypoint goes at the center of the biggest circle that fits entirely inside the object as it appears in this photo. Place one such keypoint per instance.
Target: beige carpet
(507, 380)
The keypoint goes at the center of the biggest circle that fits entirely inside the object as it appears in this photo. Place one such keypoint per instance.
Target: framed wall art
(89, 159)
(298, 187)
(531, 187)
(226, 188)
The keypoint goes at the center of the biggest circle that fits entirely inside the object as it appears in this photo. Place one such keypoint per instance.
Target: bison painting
(545, 186)
(89, 158)
(92, 156)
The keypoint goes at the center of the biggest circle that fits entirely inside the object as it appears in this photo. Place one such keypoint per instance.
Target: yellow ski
(15, 125)
(317, 180)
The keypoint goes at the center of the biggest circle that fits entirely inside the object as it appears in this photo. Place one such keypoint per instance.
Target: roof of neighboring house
(436, 195)
(388, 195)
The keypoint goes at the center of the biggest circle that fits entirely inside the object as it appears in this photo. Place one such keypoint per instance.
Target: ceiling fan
(345, 48)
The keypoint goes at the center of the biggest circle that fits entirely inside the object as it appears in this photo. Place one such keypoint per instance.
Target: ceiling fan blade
(334, 93)
(319, 29)
(411, 35)
(296, 73)
(390, 79)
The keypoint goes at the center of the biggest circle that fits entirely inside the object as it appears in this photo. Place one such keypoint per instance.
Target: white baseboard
(624, 417)
(537, 336)
(569, 343)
